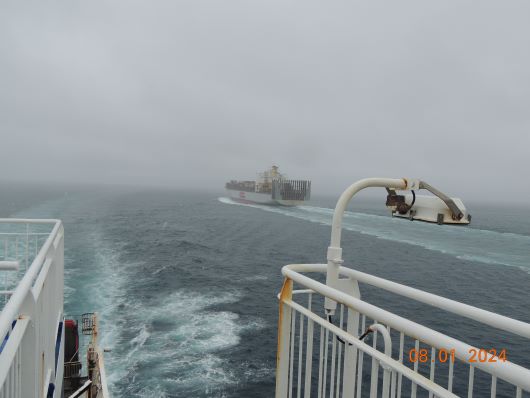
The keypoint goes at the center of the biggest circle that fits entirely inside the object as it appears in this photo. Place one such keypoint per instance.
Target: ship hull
(259, 198)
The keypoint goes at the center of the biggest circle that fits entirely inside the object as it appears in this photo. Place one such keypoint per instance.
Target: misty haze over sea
(191, 94)
(185, 283)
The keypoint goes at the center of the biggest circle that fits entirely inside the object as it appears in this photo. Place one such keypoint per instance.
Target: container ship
(270, 188)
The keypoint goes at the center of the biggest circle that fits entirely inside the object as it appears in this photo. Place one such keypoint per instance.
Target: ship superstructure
(271, 188)
(40, 350)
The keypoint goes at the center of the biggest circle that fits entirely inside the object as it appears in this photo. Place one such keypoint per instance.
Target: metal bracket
(455, 210)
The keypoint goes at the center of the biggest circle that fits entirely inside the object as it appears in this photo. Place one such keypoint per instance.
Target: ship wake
(494, 247)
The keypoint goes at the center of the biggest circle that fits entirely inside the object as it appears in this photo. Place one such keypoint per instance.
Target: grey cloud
(192, 93)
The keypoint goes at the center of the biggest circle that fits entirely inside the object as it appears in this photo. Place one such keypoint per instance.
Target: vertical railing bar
(326, 349)
(320, 360)
(9, 381)
(341, 321)
(401, 349)
(6, 386)
(291, 353)
(360, 373)
(361, 361)
(493, 386)
(333, 360)
(15, 375)
(393, 385)
(6, 297)
(519, 392)
(351, 354)
(433, 363)
(300, 353)
(450, 378)
(374, 380)
(13, 378)
(392, 372)
(19, 375)
(27, 245)
(414, 387)
(308, 352)
(471, 380)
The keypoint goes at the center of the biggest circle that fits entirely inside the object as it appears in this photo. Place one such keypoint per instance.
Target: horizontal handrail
(301, 291)
(508, 371)
(29, 220)
(489, 318)
(9, 265)
(477, 314)
(23, 233)
(12, 308)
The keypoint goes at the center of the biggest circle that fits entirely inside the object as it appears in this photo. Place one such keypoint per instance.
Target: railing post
(28, 351)
(284, 334)
(334, 255)
(334, 258)
(351, 287)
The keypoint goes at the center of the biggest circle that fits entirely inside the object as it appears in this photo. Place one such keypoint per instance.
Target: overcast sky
(193, 93)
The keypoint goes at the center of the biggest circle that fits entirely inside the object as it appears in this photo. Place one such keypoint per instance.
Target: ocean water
(185, 283)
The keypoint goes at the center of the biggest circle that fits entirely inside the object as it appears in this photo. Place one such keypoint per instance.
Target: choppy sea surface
(185, 283)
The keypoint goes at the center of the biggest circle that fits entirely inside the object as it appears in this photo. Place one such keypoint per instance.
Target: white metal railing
(31, 321)
(340, 363)
(338, 369)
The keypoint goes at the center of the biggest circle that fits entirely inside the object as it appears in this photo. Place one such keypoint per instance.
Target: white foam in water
(98, 274)
(181, 352)
(466, 243)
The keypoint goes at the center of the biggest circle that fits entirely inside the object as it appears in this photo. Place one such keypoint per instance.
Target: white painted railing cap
(9, 265)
